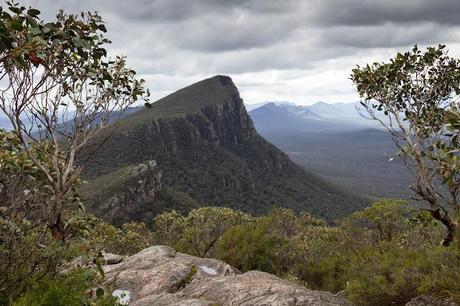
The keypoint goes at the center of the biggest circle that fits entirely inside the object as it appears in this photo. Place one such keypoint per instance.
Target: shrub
(199, 231)
(265, 244)
(252, 247)
(74, 288)
(318, 259)
(99, 235)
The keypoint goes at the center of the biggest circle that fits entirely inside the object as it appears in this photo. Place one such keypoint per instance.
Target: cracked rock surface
(160, 276)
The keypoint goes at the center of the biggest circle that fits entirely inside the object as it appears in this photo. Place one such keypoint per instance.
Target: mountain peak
(215, 90)
(223, 79)
(321, 103)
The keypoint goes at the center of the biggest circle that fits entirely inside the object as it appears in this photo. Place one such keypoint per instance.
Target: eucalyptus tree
(60, 89)
(418, 95)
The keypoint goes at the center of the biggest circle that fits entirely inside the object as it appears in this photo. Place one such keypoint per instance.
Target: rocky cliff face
(153, 133)
(125, 194)
(225, 124)
(205, 145)
(140, 187)
(160, 276)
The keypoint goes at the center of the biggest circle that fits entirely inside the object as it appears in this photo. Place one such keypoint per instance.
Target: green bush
(318, 260)
(265, 244)
(97, 235)
(392, 275)
(199, 231)
(252, 247)
(28, 253)
(384, 255)
(444, 276)
(74, 288)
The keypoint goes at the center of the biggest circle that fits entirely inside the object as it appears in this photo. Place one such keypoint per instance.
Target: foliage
(317, 260)
(199, 231)
(251, 247)
(383, 255)
(99, 236)
(265, 243)
(418, 93)
(22, 186)
(384, 221)
(73, 288)
(61, 91)
(26, 252)
(31, 260)
(392, 274)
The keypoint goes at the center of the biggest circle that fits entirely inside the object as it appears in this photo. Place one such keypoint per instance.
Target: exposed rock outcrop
(160, 276)
(140, 186)
(127, 193)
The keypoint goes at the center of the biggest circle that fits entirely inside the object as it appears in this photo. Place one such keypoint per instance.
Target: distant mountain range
(336, 142)
(65, 122)
(207, 149)
(319, 116)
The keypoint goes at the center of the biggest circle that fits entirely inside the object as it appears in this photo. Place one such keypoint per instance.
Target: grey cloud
(185, 40)
(370, 12)
(227, 34)
(389, 35)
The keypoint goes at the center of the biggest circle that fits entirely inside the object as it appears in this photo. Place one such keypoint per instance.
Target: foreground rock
(423, 300)
(160, 276)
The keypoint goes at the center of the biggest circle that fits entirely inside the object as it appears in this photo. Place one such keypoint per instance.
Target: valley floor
(361, 161)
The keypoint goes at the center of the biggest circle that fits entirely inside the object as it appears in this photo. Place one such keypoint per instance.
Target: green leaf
(100, 270)
(16, 25)
(15, 10)
(102, 28)
(99, 292)
(35, 31)
(33, 12)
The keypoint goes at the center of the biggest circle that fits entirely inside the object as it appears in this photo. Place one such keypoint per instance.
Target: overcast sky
(275, 50)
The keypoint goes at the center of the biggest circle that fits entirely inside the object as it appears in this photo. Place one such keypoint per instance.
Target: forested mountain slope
(205, 145)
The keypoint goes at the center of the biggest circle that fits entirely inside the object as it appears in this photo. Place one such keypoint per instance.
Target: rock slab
(161, 276)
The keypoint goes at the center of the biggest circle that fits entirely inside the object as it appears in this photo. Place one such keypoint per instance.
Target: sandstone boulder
(160, 276)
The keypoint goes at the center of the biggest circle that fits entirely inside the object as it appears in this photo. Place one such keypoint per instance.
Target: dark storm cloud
(211, 26)
(389, 35)
(179, 10)
(371, 12)
(250, 39)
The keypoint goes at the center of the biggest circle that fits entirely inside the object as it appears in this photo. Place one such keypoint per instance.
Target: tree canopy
(418, 95)
(61, 91)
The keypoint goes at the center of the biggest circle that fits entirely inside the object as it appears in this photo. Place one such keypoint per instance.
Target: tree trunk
(448, 223)
(57, 228)
(55, 223)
